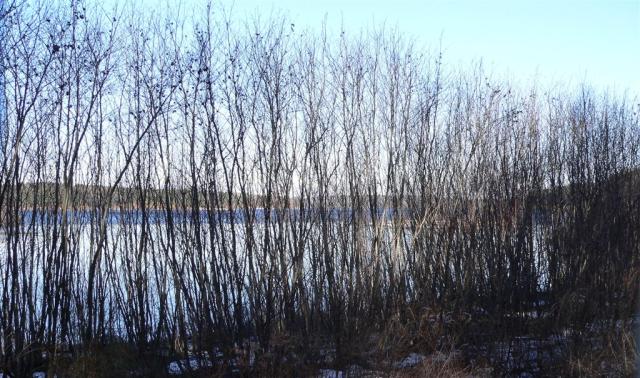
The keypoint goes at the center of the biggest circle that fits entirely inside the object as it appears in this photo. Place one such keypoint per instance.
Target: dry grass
(115, 359)
(425, 329)
(441, 365)
(610, 353)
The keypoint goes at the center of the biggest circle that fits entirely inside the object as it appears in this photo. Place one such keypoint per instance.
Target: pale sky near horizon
(565, 42)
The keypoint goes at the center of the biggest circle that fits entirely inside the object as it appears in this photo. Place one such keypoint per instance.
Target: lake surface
(206, 216)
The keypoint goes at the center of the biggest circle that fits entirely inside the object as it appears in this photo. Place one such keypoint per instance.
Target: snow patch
(184, 366)
(410, 361)
(330, 373)
(351, 371)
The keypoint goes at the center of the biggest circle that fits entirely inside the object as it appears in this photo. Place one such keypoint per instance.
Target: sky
(553, 42)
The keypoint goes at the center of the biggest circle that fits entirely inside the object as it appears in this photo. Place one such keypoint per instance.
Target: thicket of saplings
(256, 197)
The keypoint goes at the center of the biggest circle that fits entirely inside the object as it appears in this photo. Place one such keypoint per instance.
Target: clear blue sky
(568, 42)
(557, 42)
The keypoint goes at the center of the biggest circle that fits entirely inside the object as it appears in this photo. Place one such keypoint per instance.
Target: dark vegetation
(478, 220)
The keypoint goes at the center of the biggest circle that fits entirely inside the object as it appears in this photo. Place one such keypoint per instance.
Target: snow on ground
(411, 360)
(351, 371)
(330, 373)
(184, 366)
